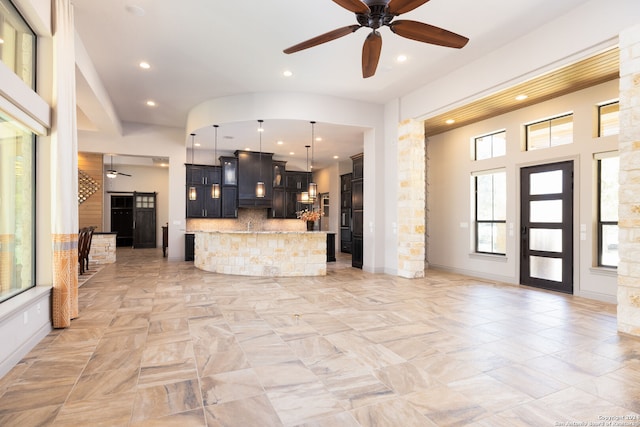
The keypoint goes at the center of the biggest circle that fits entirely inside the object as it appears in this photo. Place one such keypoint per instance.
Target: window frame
(600, 223)
(600, 107)
(491, 134)
(549, 120)
(28, 137)
(477, 221)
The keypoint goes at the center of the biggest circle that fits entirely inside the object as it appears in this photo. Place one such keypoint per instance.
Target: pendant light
(193, 194)
(215, 187)
(260, 183)
(313, 187)
(304, 196)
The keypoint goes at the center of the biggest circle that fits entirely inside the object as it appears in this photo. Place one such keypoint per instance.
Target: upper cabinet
(253, 167)
(229, 170)
(297, 181)
(203, 175)
(200, 201)
(279, 173)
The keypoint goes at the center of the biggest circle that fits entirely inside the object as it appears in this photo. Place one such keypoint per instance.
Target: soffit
(580, 75)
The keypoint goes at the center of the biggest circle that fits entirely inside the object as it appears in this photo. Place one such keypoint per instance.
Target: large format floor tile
(160, 343)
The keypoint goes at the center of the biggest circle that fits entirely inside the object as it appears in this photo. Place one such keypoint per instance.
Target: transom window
(17, 44)
(609, 119)
(550, 133)
(608, 167)
(492, 145)
(491, 212)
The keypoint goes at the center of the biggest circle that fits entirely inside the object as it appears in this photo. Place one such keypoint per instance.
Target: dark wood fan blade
(371, 54)
(323, 38)
(122, 173)
(427, 33)
(355, 6)
(397, 7)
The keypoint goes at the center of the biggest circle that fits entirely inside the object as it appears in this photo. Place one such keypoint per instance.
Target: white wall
(156, 141)
(449, 171)
(143, 179)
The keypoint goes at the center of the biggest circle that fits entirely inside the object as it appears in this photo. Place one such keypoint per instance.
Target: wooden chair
(82, 243)
(84, 247)
(88, 247)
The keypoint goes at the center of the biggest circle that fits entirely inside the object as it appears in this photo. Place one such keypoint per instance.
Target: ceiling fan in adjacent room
(375, 14)
(112, 173)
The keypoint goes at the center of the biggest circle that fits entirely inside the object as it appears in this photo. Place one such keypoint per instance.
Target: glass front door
(547, 226)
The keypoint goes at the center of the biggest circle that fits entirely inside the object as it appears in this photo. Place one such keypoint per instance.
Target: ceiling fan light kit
(112, 173)
(375, 14)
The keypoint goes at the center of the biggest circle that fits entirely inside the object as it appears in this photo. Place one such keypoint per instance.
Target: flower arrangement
(307, 215)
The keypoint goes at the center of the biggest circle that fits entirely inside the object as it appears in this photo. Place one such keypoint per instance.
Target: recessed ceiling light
(287, 73)
(291, 153)
(151, 103)
(450, 121)
(521, 97)
(247, 149)
(280, 142)
(401, 58)
(319, 138)
(336, 157)
(1, 41)
(144, 65)
(197, 144)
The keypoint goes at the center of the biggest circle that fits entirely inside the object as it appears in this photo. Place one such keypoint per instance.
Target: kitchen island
(262, 253)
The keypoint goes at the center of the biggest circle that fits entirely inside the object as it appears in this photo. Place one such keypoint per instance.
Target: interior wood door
(546, 243)
(144, 220)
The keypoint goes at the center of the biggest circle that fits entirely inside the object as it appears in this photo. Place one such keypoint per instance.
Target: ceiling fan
(112, 173)
(376, 13)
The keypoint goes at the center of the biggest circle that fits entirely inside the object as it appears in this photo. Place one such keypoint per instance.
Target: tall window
(550, 133)
(17, 214)
(608, 167)
(491, 212)
(492, 145)
(609, 119)
(17, 44)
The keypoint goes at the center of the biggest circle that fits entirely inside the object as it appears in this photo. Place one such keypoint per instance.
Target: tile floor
(160, 343)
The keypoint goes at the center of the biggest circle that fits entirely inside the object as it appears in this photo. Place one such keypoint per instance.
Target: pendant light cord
(260, 161)
(312, 144)
(215, 147)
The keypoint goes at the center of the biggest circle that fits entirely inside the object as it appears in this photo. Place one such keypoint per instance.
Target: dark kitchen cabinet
(253, 167)
(189, 246)
(229, 205)
(357, 210)
(204, 206)
(279, 173)
(229, 190)
(345, 213)
(229, 170)
(279, 203)
(203, 175)
(297, 181)
(200, 179)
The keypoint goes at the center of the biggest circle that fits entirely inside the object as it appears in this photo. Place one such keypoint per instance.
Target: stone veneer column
(629, 192)
(411, 199)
